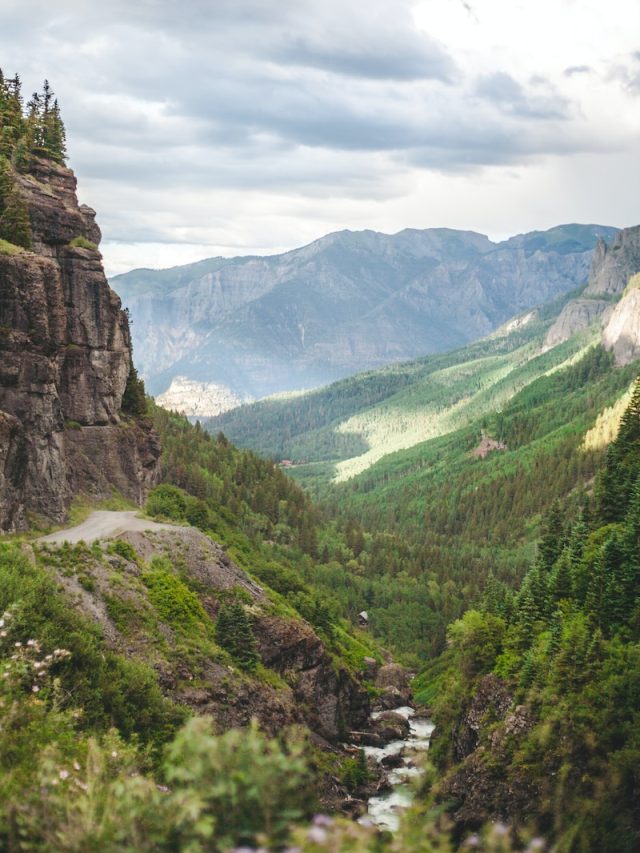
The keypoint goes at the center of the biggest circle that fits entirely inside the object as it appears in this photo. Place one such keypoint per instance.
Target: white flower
(18, 645)
(114, 754)
(35, 688)
(63, 774)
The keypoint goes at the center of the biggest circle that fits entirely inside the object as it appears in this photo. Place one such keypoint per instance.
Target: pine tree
(552, 540)
(234, 633)
(134, 401)
(15, 225)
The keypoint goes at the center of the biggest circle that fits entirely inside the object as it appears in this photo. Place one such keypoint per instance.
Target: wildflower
(322, 820)
(76, 766)
(31, 643)
(63, 774)
(317, 835)
(35, 688)
(18, 645)
(114, 754)
(3, 633)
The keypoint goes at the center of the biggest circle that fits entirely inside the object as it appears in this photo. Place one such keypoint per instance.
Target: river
(385, 809)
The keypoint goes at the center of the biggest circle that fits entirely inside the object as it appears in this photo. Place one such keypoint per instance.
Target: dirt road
(104, 524)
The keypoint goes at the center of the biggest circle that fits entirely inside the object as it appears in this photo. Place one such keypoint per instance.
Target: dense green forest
(565, 650)
(414, 539)
(307, 430)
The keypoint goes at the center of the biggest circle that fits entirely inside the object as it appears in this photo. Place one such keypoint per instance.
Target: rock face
(576, 316)
(622, 333)
(478, 788)
(65, 355)
(198, 399)
(613, 265)
(350, 301)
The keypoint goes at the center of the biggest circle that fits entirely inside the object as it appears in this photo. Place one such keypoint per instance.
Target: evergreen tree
(552, 540)
(15, 225)
(134, 401)
(234, 633)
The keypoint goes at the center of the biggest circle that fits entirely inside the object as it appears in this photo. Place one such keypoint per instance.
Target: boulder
(391, 726)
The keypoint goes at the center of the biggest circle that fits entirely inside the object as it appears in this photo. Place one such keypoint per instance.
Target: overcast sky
(208, 127)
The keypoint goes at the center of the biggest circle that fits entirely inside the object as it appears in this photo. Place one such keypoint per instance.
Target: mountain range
(249, 327)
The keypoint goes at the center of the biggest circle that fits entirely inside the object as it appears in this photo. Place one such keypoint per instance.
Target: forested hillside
(537, 698)
(341, 430)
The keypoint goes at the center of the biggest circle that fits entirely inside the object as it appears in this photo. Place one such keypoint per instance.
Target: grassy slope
(340, 431)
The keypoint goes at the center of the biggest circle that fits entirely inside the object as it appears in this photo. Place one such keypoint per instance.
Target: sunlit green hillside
(340, 431)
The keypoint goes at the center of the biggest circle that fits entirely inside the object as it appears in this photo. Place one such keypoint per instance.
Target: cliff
(622, 333)
(611, 267)
(65, 356)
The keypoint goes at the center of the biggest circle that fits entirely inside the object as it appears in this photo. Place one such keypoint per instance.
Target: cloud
(510, 96)
(185, 119)
(572, 70)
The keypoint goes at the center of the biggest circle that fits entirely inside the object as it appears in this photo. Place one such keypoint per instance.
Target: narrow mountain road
(104, 524)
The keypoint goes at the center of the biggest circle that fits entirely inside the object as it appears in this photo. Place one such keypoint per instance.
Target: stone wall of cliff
(65, 355)
(611, 267)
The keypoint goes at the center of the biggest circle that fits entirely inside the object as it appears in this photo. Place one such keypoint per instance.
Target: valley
(396, 611)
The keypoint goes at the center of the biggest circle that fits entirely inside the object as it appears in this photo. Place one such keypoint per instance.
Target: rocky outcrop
(613, 265)
(65, 355)
(307, 685)
(482, 786)
(394, 685)
(576, 316)
(622, 333)
(198, 399)
(334, 702)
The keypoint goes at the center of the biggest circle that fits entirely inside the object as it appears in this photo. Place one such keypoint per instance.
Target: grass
(82, 243)
(7, 248)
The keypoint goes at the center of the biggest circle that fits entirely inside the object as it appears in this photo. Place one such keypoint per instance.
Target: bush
(167, 502)
(82, 243)
(247, 788)
(175, 603)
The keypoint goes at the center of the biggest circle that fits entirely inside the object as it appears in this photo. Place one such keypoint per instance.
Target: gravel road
(104, 524)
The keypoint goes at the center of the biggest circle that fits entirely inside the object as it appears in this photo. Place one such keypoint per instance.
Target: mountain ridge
(346, 302)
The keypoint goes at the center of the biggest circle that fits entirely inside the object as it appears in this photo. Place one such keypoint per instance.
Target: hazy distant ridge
(347, 302)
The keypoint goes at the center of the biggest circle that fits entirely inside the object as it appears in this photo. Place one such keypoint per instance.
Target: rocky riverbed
(402, 759)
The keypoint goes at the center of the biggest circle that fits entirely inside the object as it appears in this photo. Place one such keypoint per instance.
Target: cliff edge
(65, 359)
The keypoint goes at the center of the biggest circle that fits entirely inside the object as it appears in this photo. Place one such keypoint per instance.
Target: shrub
(247, 787)
(82, 243)
(167, 502)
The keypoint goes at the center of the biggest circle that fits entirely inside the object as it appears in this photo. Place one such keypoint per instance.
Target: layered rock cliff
(611, 267)
(65, 356)
(621, 335)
